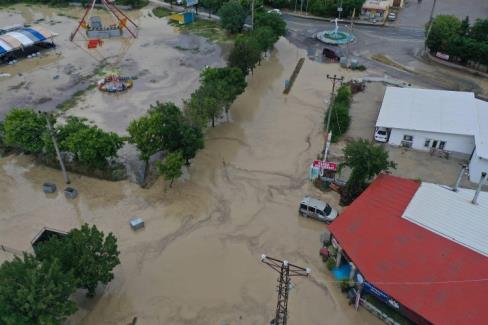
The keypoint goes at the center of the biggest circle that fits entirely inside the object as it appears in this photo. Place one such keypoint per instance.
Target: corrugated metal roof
(428, 110)
(44, 31)
(12, 41)
(481, 137)
(431, 275)
(451, 215)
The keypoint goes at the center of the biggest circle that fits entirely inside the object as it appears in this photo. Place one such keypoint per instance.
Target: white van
(313, 208)
(381, 134)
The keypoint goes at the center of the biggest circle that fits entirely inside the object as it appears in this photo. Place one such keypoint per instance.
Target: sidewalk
(331, 20)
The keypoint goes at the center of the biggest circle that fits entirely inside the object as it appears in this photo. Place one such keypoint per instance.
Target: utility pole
(430, 24)
(252, 14)
(340, 10)
(286, 271)
(56, 148)
(334, 79)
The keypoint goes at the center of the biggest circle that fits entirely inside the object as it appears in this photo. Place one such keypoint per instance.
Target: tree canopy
(272, 20)
(87, 253)
(145, 134)
(265, 37)
(232, 16)
(35, 292)
(171, 166)
(366, 160)
(24, 129)
(443, 29)
(245, 54)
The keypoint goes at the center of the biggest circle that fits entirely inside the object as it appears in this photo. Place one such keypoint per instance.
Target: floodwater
(197, 260)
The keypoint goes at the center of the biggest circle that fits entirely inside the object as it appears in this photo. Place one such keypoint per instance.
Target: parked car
(392, 16)
(276, 11)
(313, 208)
(381, 135)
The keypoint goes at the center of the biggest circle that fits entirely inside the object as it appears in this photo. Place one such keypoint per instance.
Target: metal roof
(481, 136)
(451, 215)
(428, 110)
(437, 278)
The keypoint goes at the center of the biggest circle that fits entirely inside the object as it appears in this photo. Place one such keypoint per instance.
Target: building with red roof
(413, 243)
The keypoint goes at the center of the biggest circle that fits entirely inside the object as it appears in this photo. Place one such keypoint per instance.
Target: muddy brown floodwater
(197, 260)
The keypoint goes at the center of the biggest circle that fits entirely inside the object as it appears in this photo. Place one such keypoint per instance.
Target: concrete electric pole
(56, 148)
(286, 271)
(430, 23)
(334, 79)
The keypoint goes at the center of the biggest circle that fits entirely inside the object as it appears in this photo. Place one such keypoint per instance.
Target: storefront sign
(369, 288)
(327, 165)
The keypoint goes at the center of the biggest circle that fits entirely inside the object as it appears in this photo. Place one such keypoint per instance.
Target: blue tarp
(342, 272)
(2, 50)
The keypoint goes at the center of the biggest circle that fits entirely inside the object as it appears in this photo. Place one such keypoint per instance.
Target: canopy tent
(23, 37)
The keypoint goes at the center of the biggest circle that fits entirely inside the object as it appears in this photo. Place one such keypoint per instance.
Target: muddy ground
(166, 63)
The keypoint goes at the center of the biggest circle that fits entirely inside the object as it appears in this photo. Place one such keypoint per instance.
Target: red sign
(322, 164)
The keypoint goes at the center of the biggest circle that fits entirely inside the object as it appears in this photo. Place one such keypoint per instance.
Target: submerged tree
(24, 129)
(366, 160)
(87, 253)
(35, 292)
(171, 166)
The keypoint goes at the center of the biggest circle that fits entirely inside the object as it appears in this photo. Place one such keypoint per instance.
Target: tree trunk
(209, 13)
(187, 162)
(171, 183)
(146, 170)
(213, 121)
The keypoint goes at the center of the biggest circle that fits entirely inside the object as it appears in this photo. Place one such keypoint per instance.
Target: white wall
(463, 144)
(476, 166)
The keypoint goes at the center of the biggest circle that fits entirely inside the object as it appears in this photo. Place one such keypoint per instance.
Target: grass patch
(386, 60)
(71, 102)
(161, 12)
(208, 29)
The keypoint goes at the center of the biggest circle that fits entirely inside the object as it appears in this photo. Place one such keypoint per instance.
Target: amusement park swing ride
(93, 32)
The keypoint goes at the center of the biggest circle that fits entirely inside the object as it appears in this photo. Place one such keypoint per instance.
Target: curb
(330, 20)
(456, 66)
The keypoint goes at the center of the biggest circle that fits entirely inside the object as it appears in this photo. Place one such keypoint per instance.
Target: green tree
(62, 132)
(366, 160)
(444, 28)
(87, 253)
(191, 142)
(169, 120)
(211, 5)
(464, 29)
(265, 37)
(24, 129)
(479, 30)
(339, 121)
(93, 146)
(35, 292)
(245, 54)
(203, 104)
(348, 6)
(145, 134)
(223, 84)
(272, 20)
(232, 16)
(171, 166)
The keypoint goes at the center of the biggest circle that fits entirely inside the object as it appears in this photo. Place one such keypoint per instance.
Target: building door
(434, 143)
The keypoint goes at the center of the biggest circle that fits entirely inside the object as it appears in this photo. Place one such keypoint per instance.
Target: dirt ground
(167, 65)
(197, 260)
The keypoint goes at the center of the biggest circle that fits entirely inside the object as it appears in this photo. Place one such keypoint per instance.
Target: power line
(286, 271)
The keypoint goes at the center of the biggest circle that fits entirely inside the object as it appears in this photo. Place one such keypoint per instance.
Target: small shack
(183, 18)
(45, 235)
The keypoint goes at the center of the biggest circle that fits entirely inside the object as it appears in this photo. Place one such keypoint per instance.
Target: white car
(392, 16)
(381, 134)
(276, 11)
(313, 208)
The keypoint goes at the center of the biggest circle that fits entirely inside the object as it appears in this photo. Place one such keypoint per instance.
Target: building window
(407, 137)
(427, 143)
(442, 144)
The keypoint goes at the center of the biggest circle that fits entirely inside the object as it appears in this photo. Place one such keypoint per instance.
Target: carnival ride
(114, 83)
(94, 27)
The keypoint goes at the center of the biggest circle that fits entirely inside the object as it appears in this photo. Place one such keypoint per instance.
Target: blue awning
(35, 33)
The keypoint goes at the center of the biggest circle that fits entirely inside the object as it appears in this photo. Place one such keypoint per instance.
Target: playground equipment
(95, 29)
(114, 83)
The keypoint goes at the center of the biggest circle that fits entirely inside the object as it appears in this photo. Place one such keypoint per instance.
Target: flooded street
(197, 260)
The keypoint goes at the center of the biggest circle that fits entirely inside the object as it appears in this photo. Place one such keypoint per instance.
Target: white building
(425, 119)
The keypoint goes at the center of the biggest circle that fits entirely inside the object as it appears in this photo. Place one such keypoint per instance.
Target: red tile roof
(429, 274)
